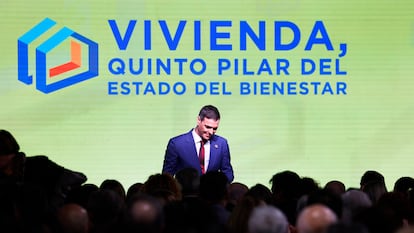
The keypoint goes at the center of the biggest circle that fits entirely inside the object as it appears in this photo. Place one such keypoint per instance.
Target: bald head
(145, 209)
(315, 219)
(73, 218)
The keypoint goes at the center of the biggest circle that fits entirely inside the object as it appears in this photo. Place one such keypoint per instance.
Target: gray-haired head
(267, 219)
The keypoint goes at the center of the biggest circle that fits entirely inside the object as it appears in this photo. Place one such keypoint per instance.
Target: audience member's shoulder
(40, 160)
(41, 165)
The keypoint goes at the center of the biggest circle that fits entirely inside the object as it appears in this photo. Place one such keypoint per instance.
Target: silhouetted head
(73, 218)
(371, 176)
(115, 186)
(403, 184)
(213, 186)
(286, 184)
(189, 180)
(8, 144)
(9, 150)
(336, 187)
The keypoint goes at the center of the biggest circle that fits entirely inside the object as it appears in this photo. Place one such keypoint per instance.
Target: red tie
(201, 157)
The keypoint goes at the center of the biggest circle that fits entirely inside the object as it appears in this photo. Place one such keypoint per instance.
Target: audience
(267, 219)
(189, 180)
(72, 218)
(286, 190)
(336, 187)
(239, 217)
(236, 191)
(341, 227)
(371, 176)
(114, 185)
(328, 199)
(260, 193)
(133, 190)
(106, 211)
(315, 218)
(404, 184)
(354, 202)
(162, 186)
(214, 191)
(39, 196)
(144, 214)
(406, 230)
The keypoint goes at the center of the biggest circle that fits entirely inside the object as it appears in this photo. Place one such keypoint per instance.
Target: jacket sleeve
(226, 166)
(170, 158)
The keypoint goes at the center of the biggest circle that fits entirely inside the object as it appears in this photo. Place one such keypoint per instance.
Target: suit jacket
(181, 153)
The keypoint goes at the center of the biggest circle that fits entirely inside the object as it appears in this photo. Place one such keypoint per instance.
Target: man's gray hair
(268, 219)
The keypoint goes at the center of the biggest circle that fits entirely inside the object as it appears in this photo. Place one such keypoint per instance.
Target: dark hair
(286, 183)
(371, 176)
(403, 184)
(210, 112)
(8, 144)
(213, 186)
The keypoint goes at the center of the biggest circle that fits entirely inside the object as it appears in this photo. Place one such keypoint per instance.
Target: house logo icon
(51, 73)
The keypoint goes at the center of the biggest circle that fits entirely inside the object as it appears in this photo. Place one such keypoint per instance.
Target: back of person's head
(191, 215)
(237, 190)
(209, 112)
(8, 144)
(145, 214)
(189, 180)
(396, 206)
(354, 202)
(336, 187)
(133, 190)
(315, 219)
(308, 185)
(286, 191)
(214, 186)
(106, 209)
(403, 184)
(73, 218)
(286, 185)
(163, 186)
(11, 159)
(239, 217)
(390, 213)
(374, 190)
(330, 200)
(115, 186)
(371, 176)
(260, 193)
(267, 219)
(80, 195)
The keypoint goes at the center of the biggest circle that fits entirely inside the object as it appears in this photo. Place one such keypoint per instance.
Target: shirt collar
(197, 137)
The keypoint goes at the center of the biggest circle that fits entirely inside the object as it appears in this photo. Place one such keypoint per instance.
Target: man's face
(206, 128)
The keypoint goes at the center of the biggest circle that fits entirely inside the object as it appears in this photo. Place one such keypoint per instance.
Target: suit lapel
(191, 151)
(213, 154)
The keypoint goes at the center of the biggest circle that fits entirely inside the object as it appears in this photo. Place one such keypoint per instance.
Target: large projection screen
(322, 88)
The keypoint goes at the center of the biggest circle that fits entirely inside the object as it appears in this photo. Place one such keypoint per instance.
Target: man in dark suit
(200, 148)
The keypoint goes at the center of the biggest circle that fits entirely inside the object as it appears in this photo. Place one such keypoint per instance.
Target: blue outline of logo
(43, 49)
